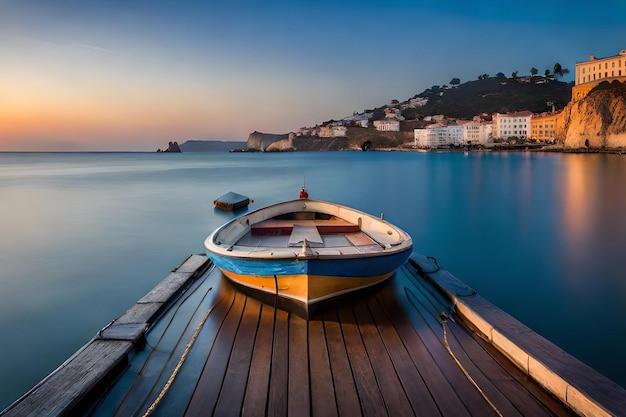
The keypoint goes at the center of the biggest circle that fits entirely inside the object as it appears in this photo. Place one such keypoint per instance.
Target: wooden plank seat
(285, 227)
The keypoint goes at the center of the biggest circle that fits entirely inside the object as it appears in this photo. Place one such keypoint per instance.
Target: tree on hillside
(533, 71)
(547, 73)
(483, 76)
(560, 71)
(514, 74)
(455, 81)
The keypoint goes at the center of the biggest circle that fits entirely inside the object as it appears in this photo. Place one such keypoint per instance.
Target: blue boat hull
(307, 282)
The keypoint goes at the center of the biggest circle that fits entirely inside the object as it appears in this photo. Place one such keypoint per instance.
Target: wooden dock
(195, 346)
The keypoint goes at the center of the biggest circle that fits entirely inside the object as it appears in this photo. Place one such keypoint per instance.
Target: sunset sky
(133, 75)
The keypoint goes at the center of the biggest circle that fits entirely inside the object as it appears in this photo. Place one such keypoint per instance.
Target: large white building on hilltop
(512, 125)
(593, 72)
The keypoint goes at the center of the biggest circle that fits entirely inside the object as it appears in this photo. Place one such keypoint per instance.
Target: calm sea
(84, 235)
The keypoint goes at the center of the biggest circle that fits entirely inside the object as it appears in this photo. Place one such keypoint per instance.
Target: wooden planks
(381, 355)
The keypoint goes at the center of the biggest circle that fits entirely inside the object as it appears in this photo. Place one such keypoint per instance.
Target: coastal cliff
(596, 121)
(266, 142)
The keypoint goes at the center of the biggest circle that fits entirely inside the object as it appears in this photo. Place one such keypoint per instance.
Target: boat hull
(308, 282)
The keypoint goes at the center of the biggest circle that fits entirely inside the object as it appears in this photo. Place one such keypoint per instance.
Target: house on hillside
(333, 130)
(391, 122)
(387, 125)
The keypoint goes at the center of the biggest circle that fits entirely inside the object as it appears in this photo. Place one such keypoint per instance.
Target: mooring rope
(169, 382)
(444, 320)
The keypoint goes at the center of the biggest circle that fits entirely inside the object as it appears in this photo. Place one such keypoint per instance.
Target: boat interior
(321, 231)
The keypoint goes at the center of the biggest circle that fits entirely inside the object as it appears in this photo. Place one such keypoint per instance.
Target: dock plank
(233, 388)
(279, 372)
(345, 389)
(372, 403)
(393, 393)
(323, 401)
(299, 399)
(255, 399)
(210, 382)
(444, 394)
(416, 390)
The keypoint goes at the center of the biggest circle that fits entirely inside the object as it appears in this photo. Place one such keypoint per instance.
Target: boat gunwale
(232, 250)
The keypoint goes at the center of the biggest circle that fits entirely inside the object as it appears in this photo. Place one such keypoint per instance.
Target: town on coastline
(588, 114)
(578, 125)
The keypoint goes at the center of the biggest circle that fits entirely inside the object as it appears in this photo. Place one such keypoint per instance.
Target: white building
(512, 124)
(458, 134)
(477, 133)
(434, 137)
(601, 68)
(387, 125)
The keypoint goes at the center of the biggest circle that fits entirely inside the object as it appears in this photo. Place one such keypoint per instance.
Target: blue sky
(134, 75)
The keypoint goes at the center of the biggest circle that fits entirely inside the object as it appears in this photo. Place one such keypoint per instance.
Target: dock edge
(69, 389)
(580, 387)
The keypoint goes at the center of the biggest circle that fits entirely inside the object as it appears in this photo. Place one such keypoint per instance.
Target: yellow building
(543, 126)
(593, 72)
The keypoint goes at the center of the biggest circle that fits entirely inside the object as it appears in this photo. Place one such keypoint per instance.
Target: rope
(467, 375)
(169, 382)
(436, 263)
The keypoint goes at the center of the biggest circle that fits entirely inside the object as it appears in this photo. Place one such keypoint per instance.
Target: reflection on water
(83, 236)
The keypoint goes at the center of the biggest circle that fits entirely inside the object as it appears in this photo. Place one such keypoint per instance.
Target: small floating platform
(422, 343)
(231, 201)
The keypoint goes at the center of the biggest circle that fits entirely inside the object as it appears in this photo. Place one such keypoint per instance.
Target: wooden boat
(301, 253)
(231, 201)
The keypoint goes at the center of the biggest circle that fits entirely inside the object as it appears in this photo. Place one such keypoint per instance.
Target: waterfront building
(593, 72)
(437, 136)
(543, 126)
(476, 132)
(515, 124)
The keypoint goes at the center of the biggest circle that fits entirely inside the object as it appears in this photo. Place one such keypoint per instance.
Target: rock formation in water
(266, 142)
(596, 121)
(172, 148)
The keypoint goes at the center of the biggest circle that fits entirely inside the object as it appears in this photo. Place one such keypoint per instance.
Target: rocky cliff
(171, 148)
(596, 121)
(263, 142)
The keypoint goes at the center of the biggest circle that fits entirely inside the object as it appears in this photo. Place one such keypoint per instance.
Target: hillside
(489, 96)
